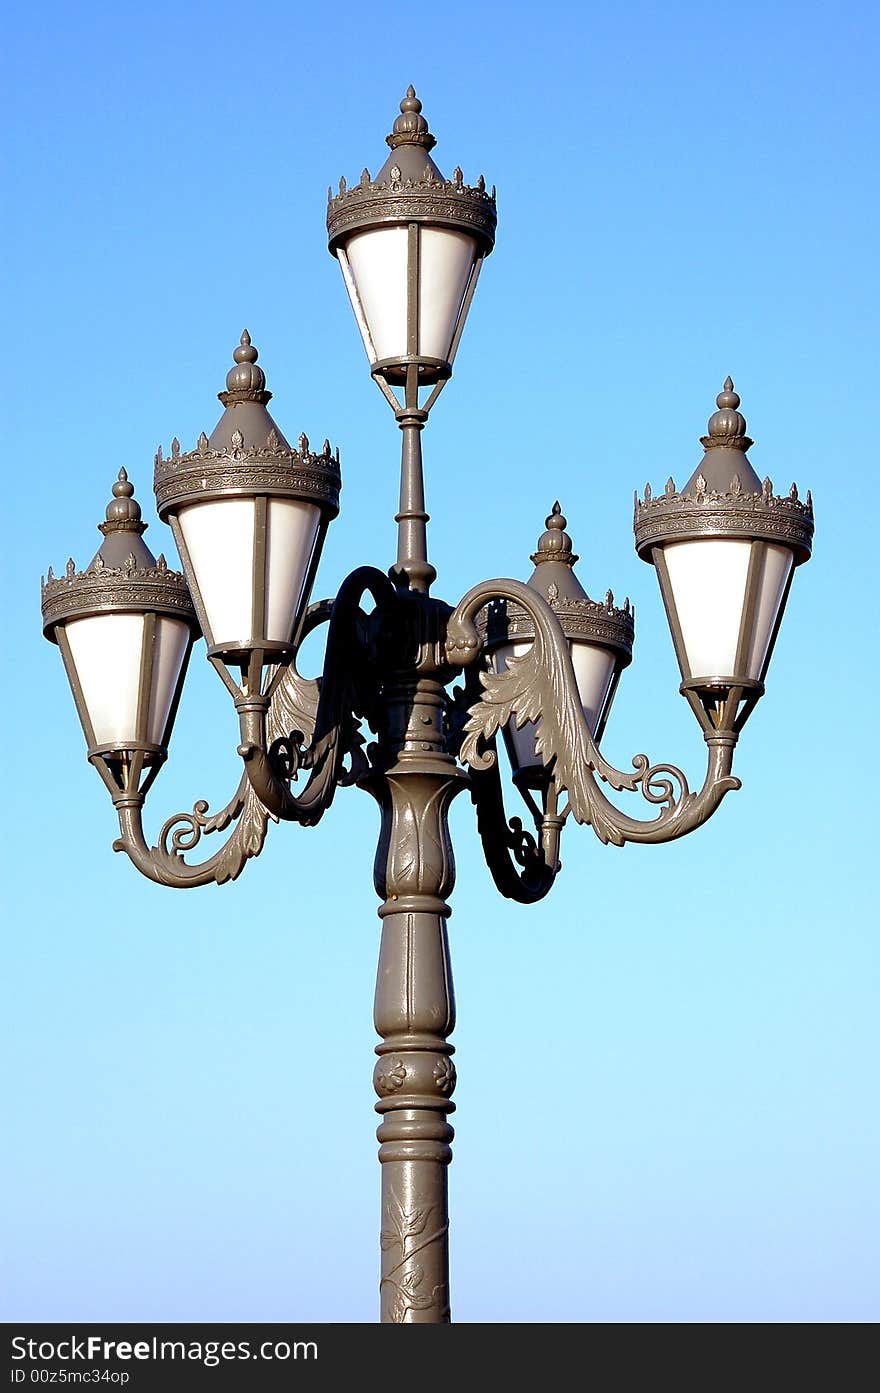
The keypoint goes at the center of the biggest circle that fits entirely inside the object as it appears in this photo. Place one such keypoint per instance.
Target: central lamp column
(415, 1004)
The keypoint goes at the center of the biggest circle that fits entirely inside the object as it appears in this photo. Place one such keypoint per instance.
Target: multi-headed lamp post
(541, 660)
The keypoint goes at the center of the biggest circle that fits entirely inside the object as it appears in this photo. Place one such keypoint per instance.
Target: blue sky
(667, 1096)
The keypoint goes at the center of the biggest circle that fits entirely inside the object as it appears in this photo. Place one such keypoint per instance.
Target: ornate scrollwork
(270, 744)
(409, 1231)
(523, 866)
(540, 687)
(183, 832)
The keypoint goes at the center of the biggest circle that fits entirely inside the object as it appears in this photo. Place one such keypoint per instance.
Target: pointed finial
(555, 543)
(246, 381)
(727, 426)
(245, 353)
(123, 513)
(410, 127)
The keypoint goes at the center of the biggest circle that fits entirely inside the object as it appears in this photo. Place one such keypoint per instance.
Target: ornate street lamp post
(540, 661)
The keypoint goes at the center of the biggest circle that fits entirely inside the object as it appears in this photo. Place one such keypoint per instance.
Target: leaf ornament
(540, 686)
(294, 706)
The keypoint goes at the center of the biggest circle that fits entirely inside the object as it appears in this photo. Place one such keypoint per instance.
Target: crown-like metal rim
(112, 589)
(677, 517)
(444, 203)
(586, 621)
(273, 469)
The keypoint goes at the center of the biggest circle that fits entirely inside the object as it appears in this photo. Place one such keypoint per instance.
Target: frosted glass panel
(374, 265)
(593, 670)
(293, 527)
(356, 305)
(708, 579)
(378, 267)
(106, 650)
(776, 567)
(219, 537)
(169, 650)
(446, 258)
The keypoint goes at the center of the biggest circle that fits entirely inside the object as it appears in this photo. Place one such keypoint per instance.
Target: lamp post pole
(415, 1004)
(539, 662)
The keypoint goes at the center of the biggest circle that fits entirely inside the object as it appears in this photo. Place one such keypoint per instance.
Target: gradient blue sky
(667, 1099)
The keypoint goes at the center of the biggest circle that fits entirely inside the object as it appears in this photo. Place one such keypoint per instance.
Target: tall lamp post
(540, 660)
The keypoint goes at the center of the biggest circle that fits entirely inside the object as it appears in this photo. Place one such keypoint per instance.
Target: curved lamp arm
(523, 866)
(164, 862)
(540, 686)
(273, 757)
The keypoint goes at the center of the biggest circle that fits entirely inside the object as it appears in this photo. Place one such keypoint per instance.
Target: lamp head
(599, 634)
(249, 514)
(125, 627)
(410, 243)
(725, 548)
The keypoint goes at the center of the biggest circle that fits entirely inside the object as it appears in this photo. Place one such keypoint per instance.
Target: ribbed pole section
(413, 567)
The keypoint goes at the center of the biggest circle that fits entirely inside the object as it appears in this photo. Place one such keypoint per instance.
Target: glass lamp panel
(106, 652)
(775, 569)
(291, 534)
(520, 744)
(377, 261)
(219, 537)
(594, 671)
(354, 297)
(708, 581)
(169, 652)
(446, 260)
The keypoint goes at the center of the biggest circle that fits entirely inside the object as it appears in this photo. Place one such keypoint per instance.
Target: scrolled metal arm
(164, 862)
(272, 757)
(523, 865)
(540, 686)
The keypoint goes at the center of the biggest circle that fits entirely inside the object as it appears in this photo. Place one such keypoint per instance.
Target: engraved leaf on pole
(402, 1224)
(408, 1297)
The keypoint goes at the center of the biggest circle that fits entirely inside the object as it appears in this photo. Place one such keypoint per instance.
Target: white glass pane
(219, 537)
(172, 636)
(378, 268)
(293, 527)
(593, 670)
(445, 261)
(356, 305)
(106, 650)
(776, 567)
(708, 579)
